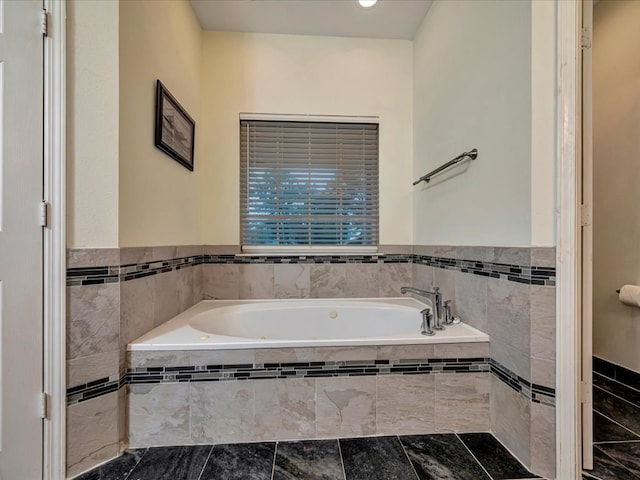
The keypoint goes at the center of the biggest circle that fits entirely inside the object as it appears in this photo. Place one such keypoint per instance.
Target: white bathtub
(236, 324)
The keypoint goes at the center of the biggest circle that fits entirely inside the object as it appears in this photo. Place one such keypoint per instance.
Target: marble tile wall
(102, 319)
(382, 278)
(307, 408)
(517, 313)
(520, 319)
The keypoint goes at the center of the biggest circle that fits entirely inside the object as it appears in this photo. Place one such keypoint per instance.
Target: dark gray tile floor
(616, 435)
(416, 457)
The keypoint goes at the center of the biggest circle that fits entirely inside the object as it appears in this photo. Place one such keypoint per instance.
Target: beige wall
(289, 74)
(616, 143)
(484, 77)
(158, 196)
(92, 123)
(133, 194)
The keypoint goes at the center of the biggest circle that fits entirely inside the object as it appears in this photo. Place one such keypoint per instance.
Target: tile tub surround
(104, 313)
(420, 457)
(296, 393)
(518, 313)
(463, 272)
(495, 263)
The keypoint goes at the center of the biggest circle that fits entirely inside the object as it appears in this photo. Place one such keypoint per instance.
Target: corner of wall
(158, 197)
(543, 123)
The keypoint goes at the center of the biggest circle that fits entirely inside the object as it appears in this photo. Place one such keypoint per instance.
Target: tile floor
(616, 433)
(472, 456)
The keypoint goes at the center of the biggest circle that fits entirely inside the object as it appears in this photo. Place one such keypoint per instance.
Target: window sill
(263, 250)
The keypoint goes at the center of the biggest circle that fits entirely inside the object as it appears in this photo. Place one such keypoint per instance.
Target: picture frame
(175, 129)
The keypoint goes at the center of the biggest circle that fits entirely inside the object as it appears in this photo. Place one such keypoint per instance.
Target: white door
(21, 177)
(587, 239)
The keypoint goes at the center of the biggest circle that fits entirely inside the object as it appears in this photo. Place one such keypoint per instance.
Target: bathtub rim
(179, 325)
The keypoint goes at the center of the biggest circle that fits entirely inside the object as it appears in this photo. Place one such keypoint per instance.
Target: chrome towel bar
(472, 154)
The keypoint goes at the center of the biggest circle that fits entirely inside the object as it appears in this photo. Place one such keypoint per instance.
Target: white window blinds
(308, 183)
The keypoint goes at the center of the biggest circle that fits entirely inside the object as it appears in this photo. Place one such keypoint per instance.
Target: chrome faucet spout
(417, 291)
(437, 302)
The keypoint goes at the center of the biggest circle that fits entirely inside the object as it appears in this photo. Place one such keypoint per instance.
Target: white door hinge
(42, 406)
(585, 215)
(585, 38)
(585, 393)
(44, 22)
(44, 214)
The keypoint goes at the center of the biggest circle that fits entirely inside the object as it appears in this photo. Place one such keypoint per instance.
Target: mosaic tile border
(534, 392)
(306, 259)
(97, 388)
(349, 368)
(122, 273)
(270, 371)
(530, 275)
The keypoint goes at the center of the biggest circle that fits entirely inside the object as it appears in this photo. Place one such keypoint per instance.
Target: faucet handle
(449, 318)
(427, 318)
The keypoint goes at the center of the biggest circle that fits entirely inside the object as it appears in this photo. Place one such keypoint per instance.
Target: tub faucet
(437, 302)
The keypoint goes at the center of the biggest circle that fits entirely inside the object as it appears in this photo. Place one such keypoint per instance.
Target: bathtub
(255, 324)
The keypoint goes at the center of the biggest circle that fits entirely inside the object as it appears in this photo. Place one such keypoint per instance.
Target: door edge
(54, 241)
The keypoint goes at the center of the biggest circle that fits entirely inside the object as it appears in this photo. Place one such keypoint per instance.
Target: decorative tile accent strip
(122, 273)
(530, 275)
(265, 371)
(535, 393)
(278, 259)
(213, 373)
(96, 388)
(542, 394)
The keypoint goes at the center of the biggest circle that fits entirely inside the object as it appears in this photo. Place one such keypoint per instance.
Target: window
(308, 184)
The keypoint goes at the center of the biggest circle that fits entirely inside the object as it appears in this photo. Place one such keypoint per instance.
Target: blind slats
(308, 183)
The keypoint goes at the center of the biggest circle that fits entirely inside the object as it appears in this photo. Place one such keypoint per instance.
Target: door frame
(54, 242)
(568, 347)
(568, 457)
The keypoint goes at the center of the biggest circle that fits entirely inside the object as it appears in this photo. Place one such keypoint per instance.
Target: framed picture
(175, 129)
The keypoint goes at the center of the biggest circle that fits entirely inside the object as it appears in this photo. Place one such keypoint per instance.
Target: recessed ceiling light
(367, 3)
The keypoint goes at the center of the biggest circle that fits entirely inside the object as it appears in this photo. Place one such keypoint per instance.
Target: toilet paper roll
(630, 295)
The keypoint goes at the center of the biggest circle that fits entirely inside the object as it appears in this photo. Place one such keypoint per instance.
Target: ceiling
(342, 18)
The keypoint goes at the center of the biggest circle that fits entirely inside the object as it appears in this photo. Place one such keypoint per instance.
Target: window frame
(267, 250)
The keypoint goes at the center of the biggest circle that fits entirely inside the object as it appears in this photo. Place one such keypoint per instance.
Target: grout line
(615, 461)
(617, 383)
(607, 377)
(616, 366)
(617, 396)
(344, 472)
(590, 475)
(407, 455)
(474, 457)
(616, 442)
(273, 465)
(206, 462)
(619, 425)
(137, 463)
